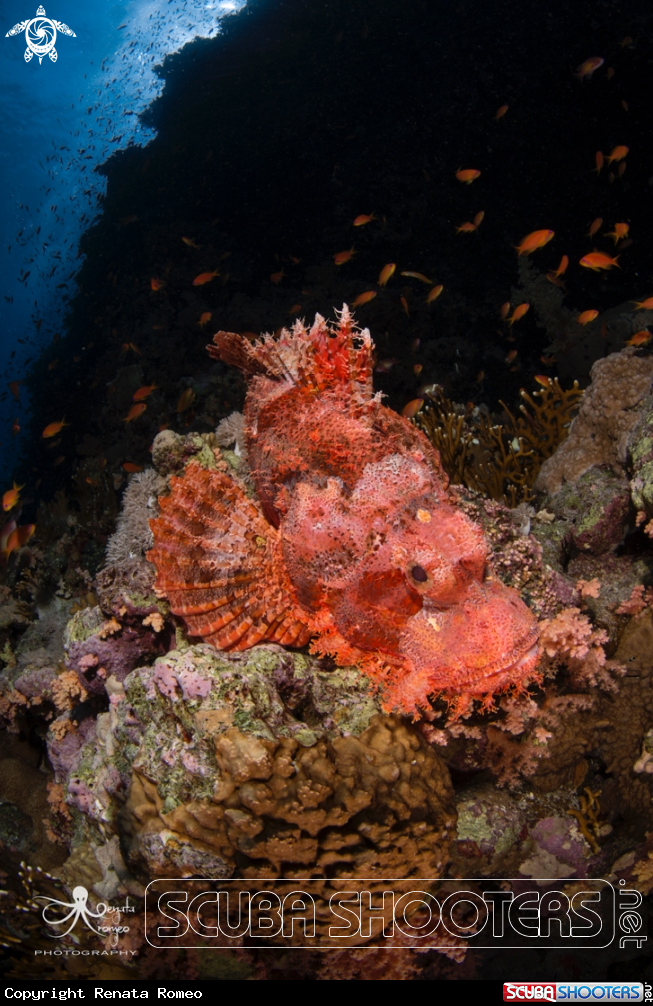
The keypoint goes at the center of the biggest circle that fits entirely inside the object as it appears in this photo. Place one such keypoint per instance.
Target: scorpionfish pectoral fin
(218, 564)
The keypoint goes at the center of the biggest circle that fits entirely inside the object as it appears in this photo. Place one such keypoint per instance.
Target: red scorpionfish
(353, 542)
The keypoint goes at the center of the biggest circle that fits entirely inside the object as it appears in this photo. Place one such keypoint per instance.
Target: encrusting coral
(354, 538)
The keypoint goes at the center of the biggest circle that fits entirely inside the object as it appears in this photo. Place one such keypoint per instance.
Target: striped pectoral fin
(219, 564)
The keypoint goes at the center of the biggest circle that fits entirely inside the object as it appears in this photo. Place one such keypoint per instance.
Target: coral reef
(132, 537)
(208, 763)
(608, 414)
(501, 460)
(410, 605)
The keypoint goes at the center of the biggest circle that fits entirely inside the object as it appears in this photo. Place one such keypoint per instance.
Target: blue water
(58, 121)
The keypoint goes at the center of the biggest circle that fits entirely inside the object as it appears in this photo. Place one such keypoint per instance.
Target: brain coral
(353, 539)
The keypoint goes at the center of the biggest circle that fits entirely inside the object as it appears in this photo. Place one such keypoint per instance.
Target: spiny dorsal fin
(327, 357)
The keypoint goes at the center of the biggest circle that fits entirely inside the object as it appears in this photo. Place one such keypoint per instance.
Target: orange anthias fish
(466, 228)
(598, 160)
(364, 298)
(364, 218)
(620, 231)
(478, 219)
(501, 112)
(418, 275)
(618, 153)
(11, 497)
(6, 533)
(130, 467)
(518, 313)
(587, 68)
(205, 277)
(644, 305)
(386, 273)
(585, 317)
(205, 318)
(416, 612)
(135, 412)
(599, 260)
(190, 243)
(276, 277)
(19, 537)
(143, 392)
(533, 241)
(595, 226)
(467, 175)
(411, 410)
(344, 256)
(639, 338)
(52, 429)
(505, 310)
(156, 284)
(434, 293)
(562, 268)
(186, 400)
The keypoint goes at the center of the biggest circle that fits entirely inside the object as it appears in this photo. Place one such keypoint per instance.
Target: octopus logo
(78, 909)
(40, 35)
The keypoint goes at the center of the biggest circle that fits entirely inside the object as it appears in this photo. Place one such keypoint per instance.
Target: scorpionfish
(353, 541)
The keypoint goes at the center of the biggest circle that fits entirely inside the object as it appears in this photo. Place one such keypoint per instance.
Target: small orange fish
(595, 226)
(511, 356)
(297, 307)
(404, 304)
(418, 368)
(6, 533)
(205, 318)
(19, 537)
(418, 275)
(276, 277)
(548, 361)
(14, 387)
(599, 260)
(143, 392)
(621, 169)
(15, 428)
(533, 241)
(639, 338)
(126, 346)
(552, 278)
(518, 313)
(467, 228)
(386, 273)
(587, 68)
(344, 256)
(478, 219)
(618, 153)
(53, 428)
(186, 400)
(598, 160)
(505, 310)
(129, 466)
(620, 231)
(135, 412)
(157, 284)
(11, 497)
(364, 298)
(467, 175)
(480, 377)
(385, 366)
(646, 305)
(434, 293)
(205, 277)
(501, 112)
(412, 408)
(190, 243)
(543, 380)
(585, 317)
(364, 218)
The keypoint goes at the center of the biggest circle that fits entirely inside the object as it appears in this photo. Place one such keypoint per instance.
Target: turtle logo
(40, 35)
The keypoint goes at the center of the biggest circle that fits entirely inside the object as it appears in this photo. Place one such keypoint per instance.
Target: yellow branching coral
(501, 460)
